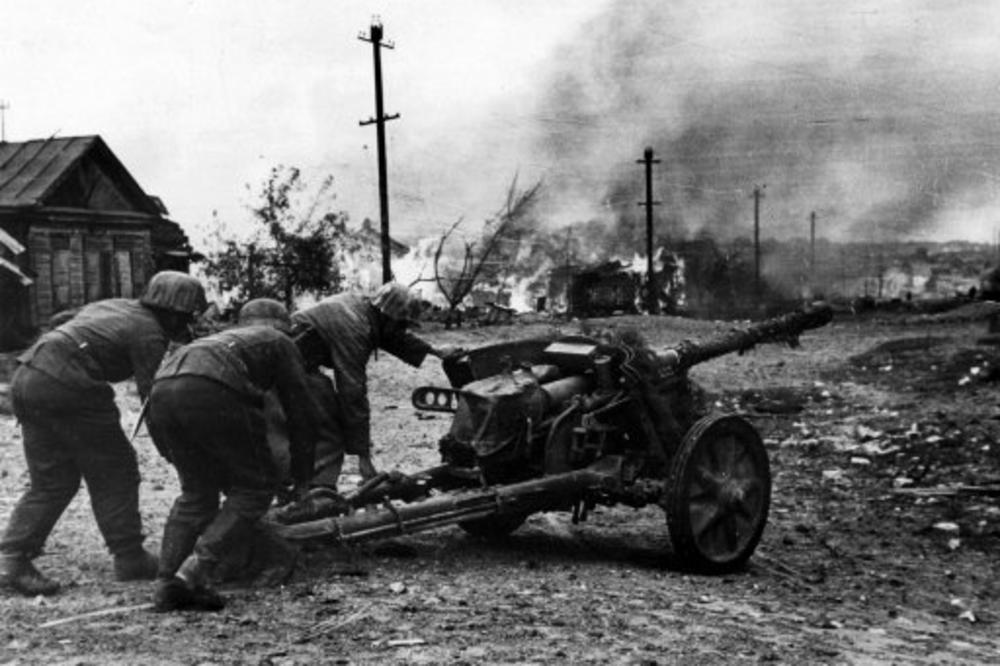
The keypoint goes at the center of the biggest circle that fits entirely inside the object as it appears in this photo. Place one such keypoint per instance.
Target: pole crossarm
(372, 121)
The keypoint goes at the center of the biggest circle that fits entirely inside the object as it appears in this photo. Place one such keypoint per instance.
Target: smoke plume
(880, 116)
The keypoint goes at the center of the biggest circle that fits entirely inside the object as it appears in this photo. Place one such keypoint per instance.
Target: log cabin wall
(74, 266)
(87, 228)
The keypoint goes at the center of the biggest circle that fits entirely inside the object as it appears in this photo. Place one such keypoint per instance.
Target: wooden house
(75, 227)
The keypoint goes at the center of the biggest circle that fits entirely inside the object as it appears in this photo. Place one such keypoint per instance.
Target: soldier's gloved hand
(447, 351)
(366, 467)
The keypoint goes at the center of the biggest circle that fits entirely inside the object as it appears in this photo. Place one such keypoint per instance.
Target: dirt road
(850, 570)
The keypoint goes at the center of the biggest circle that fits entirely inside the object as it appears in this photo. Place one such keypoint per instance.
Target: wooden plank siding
(74, 266)
(76, 285)
(40, 256)
(88, 229)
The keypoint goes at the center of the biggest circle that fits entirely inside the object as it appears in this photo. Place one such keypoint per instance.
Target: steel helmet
(394, 301)
(175, 291)
(265, 312)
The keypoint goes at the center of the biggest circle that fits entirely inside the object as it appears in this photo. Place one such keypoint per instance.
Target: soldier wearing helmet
(62, 395)
(341, 333)
(206, 415)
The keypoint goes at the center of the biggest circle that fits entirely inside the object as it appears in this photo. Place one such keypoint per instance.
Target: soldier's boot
(196, 574)
(187, 590)
(172, 592)
(139, 564)
(177, 544)
(17, 573)
(277, 556)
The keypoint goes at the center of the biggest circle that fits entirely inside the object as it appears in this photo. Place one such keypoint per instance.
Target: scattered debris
(331, 625)
(104, 612)
(405, 642)
(950, 491)
(947, 527)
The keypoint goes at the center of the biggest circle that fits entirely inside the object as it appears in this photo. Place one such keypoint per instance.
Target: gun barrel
(784, 328)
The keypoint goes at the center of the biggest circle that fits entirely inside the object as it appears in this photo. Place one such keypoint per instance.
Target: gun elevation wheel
(718, 494)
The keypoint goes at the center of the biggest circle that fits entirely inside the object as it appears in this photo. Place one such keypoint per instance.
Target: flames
(522, 278)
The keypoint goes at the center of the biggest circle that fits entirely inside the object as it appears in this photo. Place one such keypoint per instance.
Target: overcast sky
(198, 98)
(879, 115)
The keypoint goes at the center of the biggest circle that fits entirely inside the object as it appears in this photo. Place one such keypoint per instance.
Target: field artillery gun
(570, 423)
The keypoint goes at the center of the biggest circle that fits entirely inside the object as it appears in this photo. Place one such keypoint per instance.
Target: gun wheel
(494, 527)
(718, 494)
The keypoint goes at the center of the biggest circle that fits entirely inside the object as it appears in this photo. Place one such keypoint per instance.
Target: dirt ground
(855, 565)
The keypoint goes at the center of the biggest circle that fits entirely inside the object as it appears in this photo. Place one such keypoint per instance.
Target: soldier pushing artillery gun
(569, 423)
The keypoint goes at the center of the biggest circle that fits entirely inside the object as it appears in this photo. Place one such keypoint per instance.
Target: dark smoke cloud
(883, 117)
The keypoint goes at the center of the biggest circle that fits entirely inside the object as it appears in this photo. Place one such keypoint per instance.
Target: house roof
(373, 235)
(32, 170)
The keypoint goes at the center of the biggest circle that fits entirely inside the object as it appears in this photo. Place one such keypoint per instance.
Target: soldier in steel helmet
(341, 333)
(207, 417)
(62, 396)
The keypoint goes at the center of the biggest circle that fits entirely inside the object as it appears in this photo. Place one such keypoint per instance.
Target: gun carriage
(571, 423)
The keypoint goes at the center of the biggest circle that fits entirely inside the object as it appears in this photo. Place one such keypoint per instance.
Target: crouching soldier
(72, 429)
(207, 417)
(341, 333)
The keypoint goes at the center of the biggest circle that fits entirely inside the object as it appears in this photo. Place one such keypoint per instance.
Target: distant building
(373, 238)
(359, 255)
(75, 227)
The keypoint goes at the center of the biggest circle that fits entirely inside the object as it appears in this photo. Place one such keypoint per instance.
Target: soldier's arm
(146, 354)
(298, 403)
(407, 347)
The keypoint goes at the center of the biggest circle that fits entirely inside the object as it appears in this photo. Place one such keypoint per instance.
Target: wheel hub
(731, 494)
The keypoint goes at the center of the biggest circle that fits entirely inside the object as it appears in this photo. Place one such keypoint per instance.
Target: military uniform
(71, 426)
(207, 417)
(351, 330)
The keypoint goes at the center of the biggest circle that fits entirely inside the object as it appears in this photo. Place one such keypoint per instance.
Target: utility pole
(843, 272)
(812, 244)
(569, 263)
(375, 37)
(4, 105)
(758, 194)
(880, 267)
(812, 252)
(652, 299)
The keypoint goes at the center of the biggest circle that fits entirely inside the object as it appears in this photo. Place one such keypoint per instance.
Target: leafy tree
(291, 250)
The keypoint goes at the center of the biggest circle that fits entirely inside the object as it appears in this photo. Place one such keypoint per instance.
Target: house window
(128, 271)
(139, 276)
(123, 271)
(97, 269)
(106, 275)
(60, 272)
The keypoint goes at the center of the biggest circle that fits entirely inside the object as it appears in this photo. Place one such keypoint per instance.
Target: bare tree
(457, 283)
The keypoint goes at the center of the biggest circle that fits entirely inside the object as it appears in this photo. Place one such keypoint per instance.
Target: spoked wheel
(494, 527)
(718, 494)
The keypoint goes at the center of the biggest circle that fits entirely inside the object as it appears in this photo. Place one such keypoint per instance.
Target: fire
(530, 278)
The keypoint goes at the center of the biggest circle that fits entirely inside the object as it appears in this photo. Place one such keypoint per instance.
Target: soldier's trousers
(344, 427)
(69, 435)
(217, 441)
